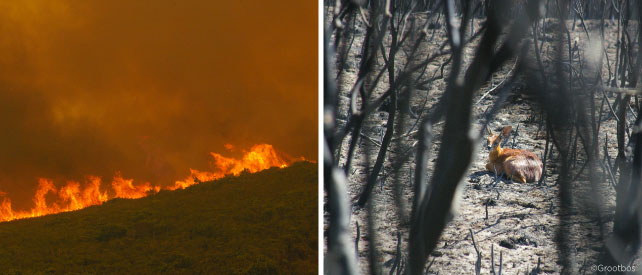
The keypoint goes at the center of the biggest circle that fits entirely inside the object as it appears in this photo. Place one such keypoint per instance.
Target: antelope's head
(494, 141)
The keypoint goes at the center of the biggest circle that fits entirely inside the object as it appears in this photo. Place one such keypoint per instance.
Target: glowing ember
(73, 197)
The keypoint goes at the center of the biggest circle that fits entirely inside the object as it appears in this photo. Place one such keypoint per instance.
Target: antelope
(518, 165)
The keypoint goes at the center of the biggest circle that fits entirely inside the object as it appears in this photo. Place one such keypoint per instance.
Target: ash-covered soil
(518, 220)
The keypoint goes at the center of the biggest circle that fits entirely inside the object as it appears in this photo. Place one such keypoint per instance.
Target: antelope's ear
(506, 131)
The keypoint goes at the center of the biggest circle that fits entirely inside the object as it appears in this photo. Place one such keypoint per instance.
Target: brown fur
(519, 165)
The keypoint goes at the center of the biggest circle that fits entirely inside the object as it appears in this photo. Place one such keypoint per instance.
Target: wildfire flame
(260, 157)
(74, 197)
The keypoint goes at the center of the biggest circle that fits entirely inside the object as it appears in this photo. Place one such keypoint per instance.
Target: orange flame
(50, 200)
(126, 189)
(260, 157)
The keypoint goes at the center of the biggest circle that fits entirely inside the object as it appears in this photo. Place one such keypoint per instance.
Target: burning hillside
(210, 228)
(49, 199)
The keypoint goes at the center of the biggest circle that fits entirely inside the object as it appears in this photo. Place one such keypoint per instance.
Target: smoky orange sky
(149, 88)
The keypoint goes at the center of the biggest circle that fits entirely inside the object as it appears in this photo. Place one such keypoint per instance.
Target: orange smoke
(50, 200)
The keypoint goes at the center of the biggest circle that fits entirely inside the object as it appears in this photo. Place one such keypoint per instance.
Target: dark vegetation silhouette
(254, 223)
(577, 93)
